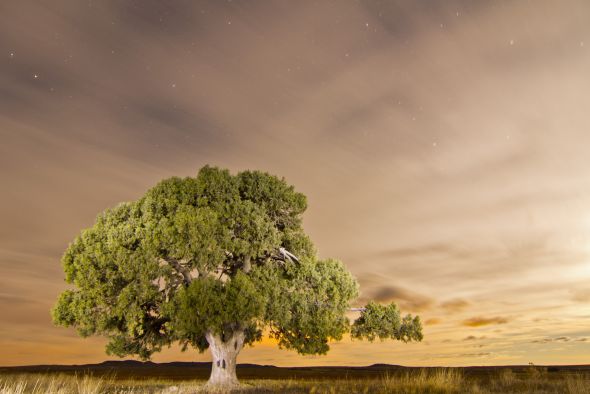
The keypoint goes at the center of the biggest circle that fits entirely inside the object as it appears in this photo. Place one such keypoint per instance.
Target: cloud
(456, 305)
(484, 321)
(483, 354)
(559, 339)
(432, 321)
(406, 299)
(581, 295)
(459, 355)
(473, 338)
(16, 301)
(480, 261)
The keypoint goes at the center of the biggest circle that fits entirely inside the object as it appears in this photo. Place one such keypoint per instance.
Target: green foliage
(307, 302)
(383, 322)
(211, 305)
(203, 254)
(280, 200)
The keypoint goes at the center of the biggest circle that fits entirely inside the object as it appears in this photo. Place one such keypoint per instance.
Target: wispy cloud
(407, 299)
(560, 339)
(473, 338)
(581, 295)
(484, 321)
(456, 305)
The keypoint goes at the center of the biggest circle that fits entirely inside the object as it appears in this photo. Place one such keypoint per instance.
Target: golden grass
(427, 380)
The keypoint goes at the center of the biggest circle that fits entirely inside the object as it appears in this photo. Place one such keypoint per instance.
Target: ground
(140, 378)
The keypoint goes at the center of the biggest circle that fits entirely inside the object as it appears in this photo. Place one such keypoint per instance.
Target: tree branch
(287, 254)
(186, 274)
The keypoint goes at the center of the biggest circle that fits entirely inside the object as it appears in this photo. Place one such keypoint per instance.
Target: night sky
(444, 148)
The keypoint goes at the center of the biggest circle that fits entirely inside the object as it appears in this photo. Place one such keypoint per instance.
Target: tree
(212, 262)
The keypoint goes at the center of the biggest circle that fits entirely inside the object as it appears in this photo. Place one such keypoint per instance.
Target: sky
(443, 148)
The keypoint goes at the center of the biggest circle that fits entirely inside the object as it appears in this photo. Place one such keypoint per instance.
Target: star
(173, 85)
(11, 54)
(511, 42)
(35, 76)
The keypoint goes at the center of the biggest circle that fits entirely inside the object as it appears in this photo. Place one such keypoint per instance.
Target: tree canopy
(202, 260)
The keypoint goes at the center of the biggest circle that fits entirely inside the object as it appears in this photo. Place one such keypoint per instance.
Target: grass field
(530, 379)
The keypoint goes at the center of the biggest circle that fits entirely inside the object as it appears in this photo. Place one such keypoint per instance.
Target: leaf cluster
(385, 322)
(221, 308)
(308, 302)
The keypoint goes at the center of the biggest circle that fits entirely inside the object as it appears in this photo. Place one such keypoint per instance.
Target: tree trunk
(223, 369)
(247, 266)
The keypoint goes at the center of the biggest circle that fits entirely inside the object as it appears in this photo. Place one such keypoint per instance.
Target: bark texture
(224, 352)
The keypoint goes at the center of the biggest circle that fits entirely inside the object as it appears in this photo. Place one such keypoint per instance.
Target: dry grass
(427, 380)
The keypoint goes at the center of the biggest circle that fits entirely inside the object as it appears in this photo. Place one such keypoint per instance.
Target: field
(140, 378)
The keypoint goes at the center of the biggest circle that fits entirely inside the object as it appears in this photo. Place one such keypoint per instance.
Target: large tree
(214, 261)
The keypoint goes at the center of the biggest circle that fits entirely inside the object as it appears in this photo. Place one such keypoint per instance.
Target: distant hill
(200, 370)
